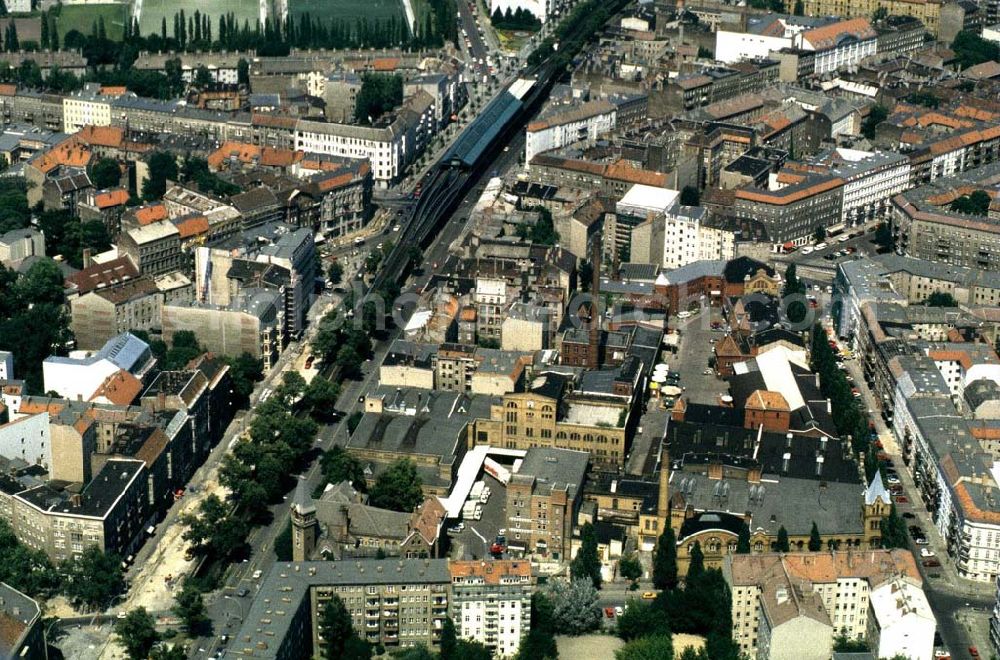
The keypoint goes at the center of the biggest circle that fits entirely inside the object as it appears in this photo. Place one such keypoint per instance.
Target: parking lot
(474, 541)
(692, 356)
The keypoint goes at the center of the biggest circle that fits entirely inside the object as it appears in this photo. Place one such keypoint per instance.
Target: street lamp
(238, 603)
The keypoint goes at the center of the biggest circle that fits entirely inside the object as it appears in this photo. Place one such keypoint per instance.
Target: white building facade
(27, 438)
(583, 122)
(900, 622)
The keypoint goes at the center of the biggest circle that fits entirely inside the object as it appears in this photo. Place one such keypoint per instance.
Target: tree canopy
(33, 319)
(665, 561)
(137, 633)
(398, 488)
(653, 647)
(587, 563)
(574, 606)
(941, 299)
(975, 203)
(379, 94)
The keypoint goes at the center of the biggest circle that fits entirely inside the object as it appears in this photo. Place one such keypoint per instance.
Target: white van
(684, 315)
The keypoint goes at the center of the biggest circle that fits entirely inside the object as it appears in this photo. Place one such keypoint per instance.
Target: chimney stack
(594, 346)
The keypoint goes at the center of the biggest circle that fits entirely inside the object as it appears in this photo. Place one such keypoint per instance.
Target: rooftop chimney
(594, 346)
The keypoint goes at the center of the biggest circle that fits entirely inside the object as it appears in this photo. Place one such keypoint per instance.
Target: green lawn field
(348, 10)
(82, 18)
(154, 11)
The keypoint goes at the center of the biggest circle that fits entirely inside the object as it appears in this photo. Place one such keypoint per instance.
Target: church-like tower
(305, 527)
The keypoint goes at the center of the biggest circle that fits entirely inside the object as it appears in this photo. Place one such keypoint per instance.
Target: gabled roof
(109, 198)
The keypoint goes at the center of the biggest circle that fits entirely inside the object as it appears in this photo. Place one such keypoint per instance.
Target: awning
(789, 245)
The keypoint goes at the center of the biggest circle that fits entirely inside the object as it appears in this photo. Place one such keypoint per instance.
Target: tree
(814, 541)
(379, 94)
(630, 568)
(137, 633)
(320, 398)
(246, 370)
(893, 529)
(335, 272)
(665, 561)
(92, 578)
(398, 488)
(214, 531)
(243, 72)
(640, 618)
(574, 606)
(336, 628)
(975, 203)
(449, 640)
(941, 299)
(842, 644)
(162, 166)
(793, 286)
(696, 564)
(168, 652)
(105, 173)
(971, 49)
(349, 361)
(743, 542)
(654, 647)
(819, 234)
(690, 196)
(781, 545)
(190, 609)
(883, 237)
(587, 563)
(469, 650)
(337, 466)
(878, 114)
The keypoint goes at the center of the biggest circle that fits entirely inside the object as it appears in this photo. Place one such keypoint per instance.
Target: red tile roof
(109, 198)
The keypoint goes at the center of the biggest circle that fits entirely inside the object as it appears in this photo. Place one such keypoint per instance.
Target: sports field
(347, 10)
(83, 17)
(154, 11)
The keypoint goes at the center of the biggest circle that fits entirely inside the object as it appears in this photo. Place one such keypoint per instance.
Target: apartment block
(792, 605)
(395, 603)
(491, 603)
(559, 126)
(111, 512)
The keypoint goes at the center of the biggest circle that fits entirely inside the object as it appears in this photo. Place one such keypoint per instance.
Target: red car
(902, 499)
(609, 612)
(973, 651)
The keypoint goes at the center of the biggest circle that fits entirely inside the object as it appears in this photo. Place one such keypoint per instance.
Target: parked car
(931, 563)
(619, 611)
(242, 592)
(909, 516)
(648, 595)
(902, 499)
(926, 553)
(257, 574)
(609, 612)
(921, 540)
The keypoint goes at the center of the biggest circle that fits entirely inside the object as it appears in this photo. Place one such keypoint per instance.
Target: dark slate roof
(738, 269)
(696, 444)
(701, 522)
